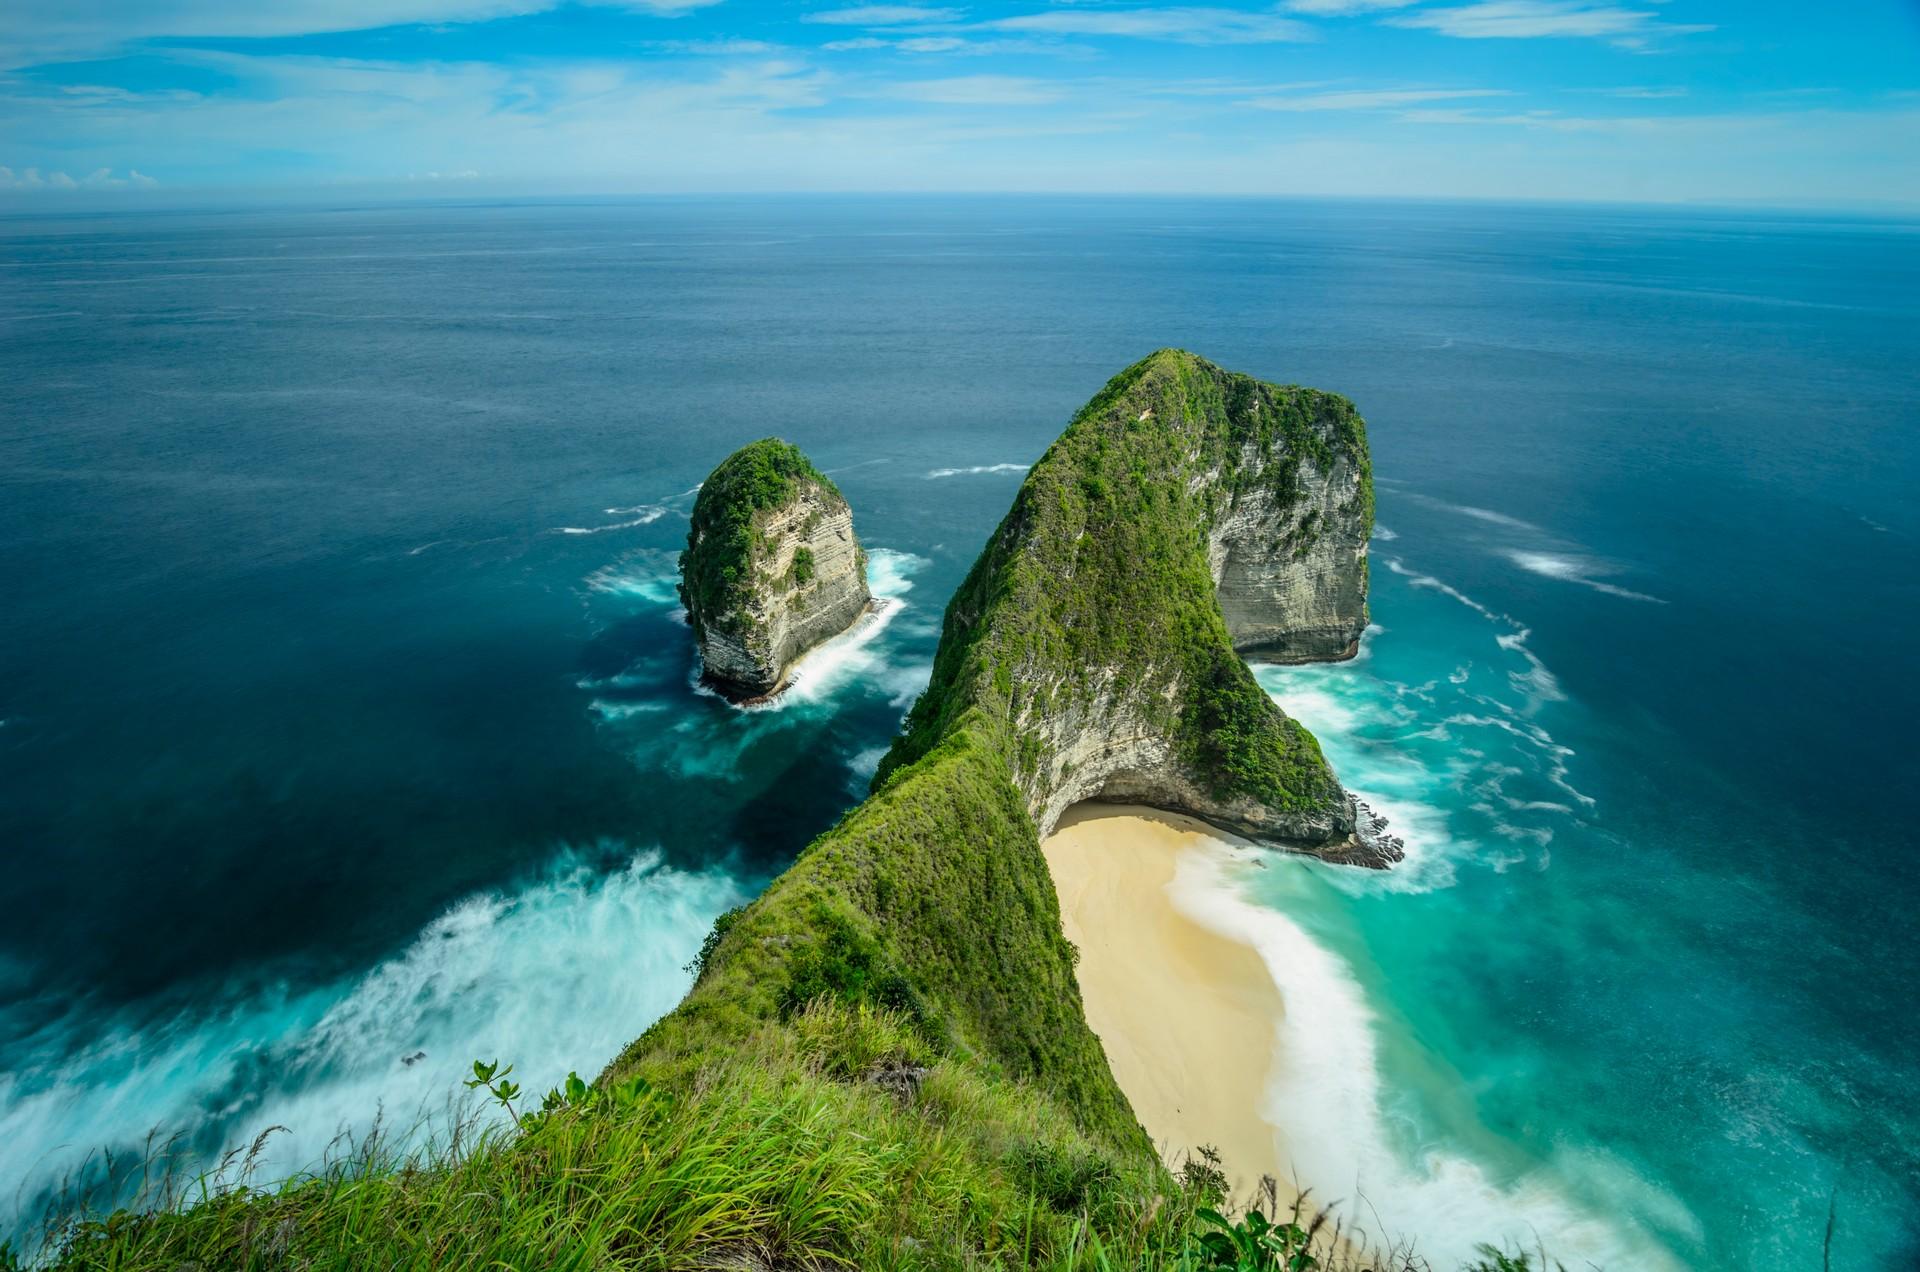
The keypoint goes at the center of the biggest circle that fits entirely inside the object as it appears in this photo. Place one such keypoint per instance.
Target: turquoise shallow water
(347, 715)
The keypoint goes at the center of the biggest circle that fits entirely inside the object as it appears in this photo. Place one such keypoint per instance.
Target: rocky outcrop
(1188, 516)
(1291, 573)
(772, 568)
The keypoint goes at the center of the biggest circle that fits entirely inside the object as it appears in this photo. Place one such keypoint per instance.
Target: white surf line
(1417, 579)
(1326, 1099)
(1570, 568)
(1487, 515)
(649, 513)
(976, 470)
(821, 671)
(814, 672)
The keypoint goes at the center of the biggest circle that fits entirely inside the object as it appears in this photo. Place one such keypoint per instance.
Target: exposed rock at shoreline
(772, 568)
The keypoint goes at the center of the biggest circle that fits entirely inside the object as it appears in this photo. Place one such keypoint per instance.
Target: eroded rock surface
(1291, 573)
(772, 568)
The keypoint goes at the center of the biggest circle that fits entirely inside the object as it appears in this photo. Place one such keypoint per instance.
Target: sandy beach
(1188, 1016)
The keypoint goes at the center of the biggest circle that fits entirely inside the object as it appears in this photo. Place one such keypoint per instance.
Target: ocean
(349, 733)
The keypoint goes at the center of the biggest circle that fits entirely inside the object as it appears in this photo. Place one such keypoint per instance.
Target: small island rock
(772, 568)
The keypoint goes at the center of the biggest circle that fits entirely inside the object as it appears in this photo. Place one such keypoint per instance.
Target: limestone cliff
(1189, 515)
(1290, 568)
(772, 568)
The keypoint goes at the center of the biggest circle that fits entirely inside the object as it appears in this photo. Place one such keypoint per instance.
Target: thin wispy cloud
(976, 90)
(1487, 98)
(1636, 93)
(956, 45)
(33, 179)
(1370, 99)
(883, 15)
(1537, 19)
(1344, 8)
(1175, 25)
(718, 48)
(45, 30)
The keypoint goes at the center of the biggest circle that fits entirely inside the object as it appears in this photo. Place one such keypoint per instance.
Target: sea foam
(1325, 1096)
(976, 470)
(1569, 568)
(646, 515)
(855, 653)
(552, 976)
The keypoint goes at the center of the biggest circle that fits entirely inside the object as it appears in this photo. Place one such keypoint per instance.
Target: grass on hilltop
(840, 1139)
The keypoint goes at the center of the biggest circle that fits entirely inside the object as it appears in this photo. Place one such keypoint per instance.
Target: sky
(1768, 101)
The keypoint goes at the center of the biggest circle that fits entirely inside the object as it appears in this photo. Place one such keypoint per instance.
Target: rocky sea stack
(772, 568)
(1189, 517)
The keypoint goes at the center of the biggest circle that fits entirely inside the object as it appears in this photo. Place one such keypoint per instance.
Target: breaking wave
(1326, 1093)
(552, 976)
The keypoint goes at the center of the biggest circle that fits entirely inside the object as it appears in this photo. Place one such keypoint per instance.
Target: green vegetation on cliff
(716, 569)
(884, 1061)
(1102, 564)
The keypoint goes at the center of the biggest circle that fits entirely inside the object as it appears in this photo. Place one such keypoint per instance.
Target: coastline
(1189, 1017)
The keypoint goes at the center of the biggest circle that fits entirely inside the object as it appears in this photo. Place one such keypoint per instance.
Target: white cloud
(1179, 25)
(1533, 19)
(976, 90)
(1343, 8)
(932, 44)
(98, 179)
(1371, 99)
(1639, 94)
(1235, 88)
(724, 47)
(49, 30)
(770, 124)
(878, 15)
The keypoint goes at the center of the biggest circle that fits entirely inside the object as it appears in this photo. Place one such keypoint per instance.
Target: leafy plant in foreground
(1255, 1244)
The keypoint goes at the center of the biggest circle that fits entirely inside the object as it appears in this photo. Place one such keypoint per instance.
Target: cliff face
(1291, 573)
(1187, 517)
(772, 568)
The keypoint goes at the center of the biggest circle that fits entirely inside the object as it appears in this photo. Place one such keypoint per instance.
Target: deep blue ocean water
(345, 713)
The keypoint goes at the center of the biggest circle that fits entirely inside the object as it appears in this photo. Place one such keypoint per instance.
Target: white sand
(1188, 1016)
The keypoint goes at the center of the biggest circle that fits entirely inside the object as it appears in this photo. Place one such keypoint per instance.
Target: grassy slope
(921, 930)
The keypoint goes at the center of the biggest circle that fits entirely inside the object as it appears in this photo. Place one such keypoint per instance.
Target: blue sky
(1701, 100)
